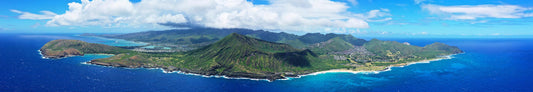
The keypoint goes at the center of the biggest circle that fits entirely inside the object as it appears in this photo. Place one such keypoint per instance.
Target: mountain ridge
(194, 38)
(237, 55)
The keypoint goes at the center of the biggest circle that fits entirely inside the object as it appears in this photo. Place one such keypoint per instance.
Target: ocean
(488, 65)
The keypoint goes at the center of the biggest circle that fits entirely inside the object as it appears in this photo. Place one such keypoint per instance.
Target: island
(252, 54)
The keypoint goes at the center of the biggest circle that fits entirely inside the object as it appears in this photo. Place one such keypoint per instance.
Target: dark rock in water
(99, 63)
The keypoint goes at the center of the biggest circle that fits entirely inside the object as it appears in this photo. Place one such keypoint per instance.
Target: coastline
(180, 71)
(388, 68)
(45, 57)
(115, 39)
(176, 71)
(67, 56)
(166, 70)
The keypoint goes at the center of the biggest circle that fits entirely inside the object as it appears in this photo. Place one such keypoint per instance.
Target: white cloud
(27, 15)
(308, 15)
(480, 21)
(353, 2)
(471, 12)
(375, 15)
(419, 1)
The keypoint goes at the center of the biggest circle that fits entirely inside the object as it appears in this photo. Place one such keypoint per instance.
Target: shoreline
(44, 57)
(162, 69)
(388, 68)
(115, 39)
(178, 72)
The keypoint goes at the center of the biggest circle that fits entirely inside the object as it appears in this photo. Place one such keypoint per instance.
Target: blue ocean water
(500, 65)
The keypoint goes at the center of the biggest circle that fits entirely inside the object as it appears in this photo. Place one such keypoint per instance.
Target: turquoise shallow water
(488, 65)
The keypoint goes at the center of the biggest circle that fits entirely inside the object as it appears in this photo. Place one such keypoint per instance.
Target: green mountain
(64, 48)
(312, 38)
(333, 45)
(245, 55)
(447, 49)
(394, 52)
(237, 55)
(193, 38)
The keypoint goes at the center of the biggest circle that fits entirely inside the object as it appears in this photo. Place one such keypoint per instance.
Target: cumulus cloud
(278, 15)
(27, 15)
(472, 12)
(376, 15)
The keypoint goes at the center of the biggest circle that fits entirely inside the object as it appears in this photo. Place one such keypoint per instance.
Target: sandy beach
(377, 71)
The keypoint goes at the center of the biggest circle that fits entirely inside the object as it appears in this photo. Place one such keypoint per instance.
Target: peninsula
(251, 53)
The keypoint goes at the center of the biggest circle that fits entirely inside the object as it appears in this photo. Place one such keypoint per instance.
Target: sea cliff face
(269, 76)
(60, 54)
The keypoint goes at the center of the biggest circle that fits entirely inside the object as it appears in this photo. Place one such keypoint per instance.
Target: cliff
(65, 48)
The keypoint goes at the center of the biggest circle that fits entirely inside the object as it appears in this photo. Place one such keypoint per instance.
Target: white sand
(377, 71)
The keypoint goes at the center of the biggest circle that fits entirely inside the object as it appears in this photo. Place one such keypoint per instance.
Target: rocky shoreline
(58, 55)
(267, 76)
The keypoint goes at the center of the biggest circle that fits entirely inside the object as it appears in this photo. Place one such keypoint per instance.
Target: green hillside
(333, 45)
(237, 55)
(63, 48)
(194, 38)
(189, 39)
(392, 52)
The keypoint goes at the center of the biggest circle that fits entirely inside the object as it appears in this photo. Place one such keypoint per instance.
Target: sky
(386, 18)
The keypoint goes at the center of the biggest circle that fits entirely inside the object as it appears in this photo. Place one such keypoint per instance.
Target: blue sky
(404, 18)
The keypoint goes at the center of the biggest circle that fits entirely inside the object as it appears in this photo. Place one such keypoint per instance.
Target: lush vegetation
(235, 54)
(189, 39)
(63, 48)
(245, 54)
(333, 45)
(258, 55)
(84, 47)
(391, 52)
